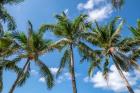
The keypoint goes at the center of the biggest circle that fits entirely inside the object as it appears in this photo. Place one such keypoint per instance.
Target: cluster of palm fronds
(97, 44)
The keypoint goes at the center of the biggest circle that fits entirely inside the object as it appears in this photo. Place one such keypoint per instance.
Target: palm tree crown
(108, 40)
(32, 46)
(70, 34)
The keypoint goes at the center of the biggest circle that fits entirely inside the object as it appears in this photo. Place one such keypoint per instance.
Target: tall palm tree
(70, 34)
(32, 46)
(5, 17)
(108, 41)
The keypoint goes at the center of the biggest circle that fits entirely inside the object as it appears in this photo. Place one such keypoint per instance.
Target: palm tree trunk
(19, 76)
(72, 71)
(124, 78)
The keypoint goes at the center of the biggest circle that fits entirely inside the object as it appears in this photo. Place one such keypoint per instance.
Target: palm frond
(45, 27)
(117, 31)
(6, 17)
(45, 73)
(136, 31)
(30, 29)
(87, 53)
(127, 44)
(11, 64)
(62, 42)
(64, 61)
(122, 60)
(135, 55)
(93, 65)
(106, 68)
(79, 22)
(20, 37)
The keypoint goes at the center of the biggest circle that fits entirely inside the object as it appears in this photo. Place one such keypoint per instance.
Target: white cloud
(115, 82)
(34, 72)
(137, 91)
(86, 79)
(42, 79)
(53, 70)
(66, 76)
(62, 78)
(88, 5)
(100, 14)
(96, 9)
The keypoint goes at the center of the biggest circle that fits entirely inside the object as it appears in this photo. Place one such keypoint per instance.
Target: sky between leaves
(43, 11)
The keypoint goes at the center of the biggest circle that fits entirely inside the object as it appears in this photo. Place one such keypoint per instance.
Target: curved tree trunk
(72, 71)
(124, 78)
(19, 76)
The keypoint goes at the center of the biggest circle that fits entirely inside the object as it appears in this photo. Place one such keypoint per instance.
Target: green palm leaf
(46, 73)
(64, 61)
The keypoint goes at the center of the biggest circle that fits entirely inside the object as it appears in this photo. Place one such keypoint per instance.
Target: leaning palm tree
(70, 34)
(108, 41)
(32, 46)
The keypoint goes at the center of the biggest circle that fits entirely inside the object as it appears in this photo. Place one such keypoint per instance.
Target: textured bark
(124, 78)
(72, 71)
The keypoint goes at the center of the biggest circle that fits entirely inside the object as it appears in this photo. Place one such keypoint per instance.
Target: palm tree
(70, 34)
(108, 41)
(32, 46)
(7, 48)
(5, 17)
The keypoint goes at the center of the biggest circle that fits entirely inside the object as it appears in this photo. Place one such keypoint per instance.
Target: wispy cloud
(96, 9)
(88, 5)
(34, 72)
(42, 79)
(137, 91)
(115, 82)
(53, 70)
(100, 14)
(66, 11)
(62, 78)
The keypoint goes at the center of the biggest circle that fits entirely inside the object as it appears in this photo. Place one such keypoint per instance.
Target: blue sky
(43, 11)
